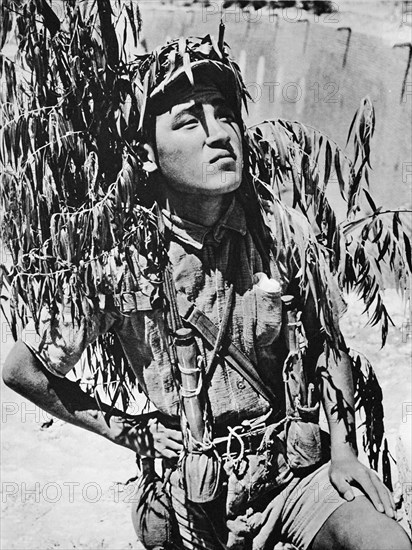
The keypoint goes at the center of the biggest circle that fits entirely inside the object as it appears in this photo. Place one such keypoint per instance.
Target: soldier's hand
(146, 435)
(158, 441)
(346, 471)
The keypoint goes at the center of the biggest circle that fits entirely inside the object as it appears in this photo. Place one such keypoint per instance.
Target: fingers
(175, 435)
(162, 441)
(165, 453)
(160, 433)
(366, 483)
(371, 485)
(342, 486)
(166, 442)
(376, 491)
(384, 495)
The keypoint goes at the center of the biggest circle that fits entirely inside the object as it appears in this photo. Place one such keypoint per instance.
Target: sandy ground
(63, 487)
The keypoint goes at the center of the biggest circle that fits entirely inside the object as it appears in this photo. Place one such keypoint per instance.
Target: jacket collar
(196, 235)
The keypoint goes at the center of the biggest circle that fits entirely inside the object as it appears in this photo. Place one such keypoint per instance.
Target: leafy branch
(69, 192)
(360, 248)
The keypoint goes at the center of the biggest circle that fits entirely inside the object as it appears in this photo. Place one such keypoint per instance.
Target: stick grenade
(295, 373)
(191, 381)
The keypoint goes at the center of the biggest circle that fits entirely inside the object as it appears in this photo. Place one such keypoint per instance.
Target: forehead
(182, 92)
(196, 101)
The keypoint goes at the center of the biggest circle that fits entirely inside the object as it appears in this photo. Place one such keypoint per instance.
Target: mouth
(223, 156)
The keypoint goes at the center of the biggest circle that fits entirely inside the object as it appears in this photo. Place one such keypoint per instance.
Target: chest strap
(233, 355)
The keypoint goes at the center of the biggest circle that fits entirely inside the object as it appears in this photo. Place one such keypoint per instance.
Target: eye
(226, 114)
(190, 122)
(187, 122)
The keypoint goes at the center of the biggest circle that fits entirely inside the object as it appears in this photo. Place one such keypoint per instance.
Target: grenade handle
(191, 381)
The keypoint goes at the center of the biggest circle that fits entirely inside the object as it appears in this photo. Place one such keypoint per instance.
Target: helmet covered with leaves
(169, 73)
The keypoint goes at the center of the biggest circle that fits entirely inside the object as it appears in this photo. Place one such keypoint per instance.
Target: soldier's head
(191, 123)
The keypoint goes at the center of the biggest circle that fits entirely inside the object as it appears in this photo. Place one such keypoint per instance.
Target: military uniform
(201, 259)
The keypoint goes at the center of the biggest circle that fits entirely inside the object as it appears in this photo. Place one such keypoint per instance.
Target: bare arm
(337, 394)
(338, 402)
(25, 374)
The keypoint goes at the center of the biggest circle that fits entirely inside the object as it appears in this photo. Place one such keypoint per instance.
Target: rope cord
(233, 434)
(192, 392)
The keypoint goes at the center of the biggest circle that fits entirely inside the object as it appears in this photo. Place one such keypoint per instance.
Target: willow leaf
(384, 247)
(328, 162)
(408, 250)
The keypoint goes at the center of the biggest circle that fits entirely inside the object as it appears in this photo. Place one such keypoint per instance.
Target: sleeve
(62, 340)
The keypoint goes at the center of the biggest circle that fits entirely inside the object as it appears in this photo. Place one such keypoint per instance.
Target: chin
(229, 182)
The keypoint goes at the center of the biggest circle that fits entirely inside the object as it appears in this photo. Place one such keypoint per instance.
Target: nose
(217, 135)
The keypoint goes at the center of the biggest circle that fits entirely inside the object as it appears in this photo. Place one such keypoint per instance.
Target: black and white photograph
(205, 274)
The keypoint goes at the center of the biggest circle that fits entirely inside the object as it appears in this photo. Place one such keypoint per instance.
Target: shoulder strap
(182, 308)
(234, 356)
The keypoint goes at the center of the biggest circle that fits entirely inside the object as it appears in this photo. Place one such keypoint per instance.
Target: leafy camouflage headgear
(159, 73)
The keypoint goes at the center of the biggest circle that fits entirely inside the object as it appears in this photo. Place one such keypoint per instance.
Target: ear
(148, 157)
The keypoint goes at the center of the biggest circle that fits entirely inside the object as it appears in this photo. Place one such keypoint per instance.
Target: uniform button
(241, 385)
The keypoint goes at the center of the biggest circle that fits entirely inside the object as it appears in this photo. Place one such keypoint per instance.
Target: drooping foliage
(369, 241)
(74, 195)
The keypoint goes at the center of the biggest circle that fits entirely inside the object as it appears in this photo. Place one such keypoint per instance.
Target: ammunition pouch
(202, 475)
(258, 469)
(303, 439)
(152, 512)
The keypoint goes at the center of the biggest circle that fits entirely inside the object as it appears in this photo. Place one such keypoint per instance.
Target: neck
(201, 209)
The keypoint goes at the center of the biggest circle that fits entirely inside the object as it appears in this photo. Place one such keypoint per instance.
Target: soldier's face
(199, 146)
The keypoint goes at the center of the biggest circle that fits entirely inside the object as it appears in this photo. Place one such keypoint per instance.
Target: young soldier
(195, 152)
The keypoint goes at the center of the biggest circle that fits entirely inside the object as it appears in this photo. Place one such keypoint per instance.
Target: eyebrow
(192, 110)
(196, 108)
